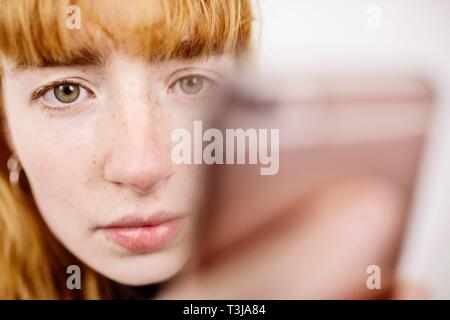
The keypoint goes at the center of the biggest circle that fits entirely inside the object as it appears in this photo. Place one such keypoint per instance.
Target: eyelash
(38, 94)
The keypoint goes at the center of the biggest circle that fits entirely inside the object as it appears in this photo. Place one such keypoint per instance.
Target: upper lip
(136, 220)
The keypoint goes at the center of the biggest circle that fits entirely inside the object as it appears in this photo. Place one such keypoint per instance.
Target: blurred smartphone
(330, 125)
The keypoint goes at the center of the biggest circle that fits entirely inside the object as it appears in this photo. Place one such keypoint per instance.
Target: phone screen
(300, 132)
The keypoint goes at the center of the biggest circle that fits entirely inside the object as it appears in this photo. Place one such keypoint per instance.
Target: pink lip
(144, 235)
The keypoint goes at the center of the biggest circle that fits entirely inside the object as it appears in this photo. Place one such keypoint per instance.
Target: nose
(138, 159)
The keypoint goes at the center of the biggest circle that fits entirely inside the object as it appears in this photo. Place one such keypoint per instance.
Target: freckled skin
(109, 158)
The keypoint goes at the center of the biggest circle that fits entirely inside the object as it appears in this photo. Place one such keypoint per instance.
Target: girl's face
(94, 142)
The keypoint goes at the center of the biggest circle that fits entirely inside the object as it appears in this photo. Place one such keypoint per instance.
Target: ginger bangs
(35, 32)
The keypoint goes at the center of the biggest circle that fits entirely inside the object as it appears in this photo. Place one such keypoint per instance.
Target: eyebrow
(86, 57)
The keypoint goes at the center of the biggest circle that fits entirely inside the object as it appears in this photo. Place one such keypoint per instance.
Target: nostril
(146, 186)
(142, 191)
(141, 179)
(141, 184)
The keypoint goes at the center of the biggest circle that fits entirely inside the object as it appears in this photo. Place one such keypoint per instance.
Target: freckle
(94, 162)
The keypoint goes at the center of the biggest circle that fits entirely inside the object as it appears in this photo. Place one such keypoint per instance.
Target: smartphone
(425, 261)
(330, 124)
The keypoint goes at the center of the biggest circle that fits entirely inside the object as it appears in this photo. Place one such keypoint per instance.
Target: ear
(7, 134)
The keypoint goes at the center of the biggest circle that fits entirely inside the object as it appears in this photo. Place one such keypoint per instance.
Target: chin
(145, 269)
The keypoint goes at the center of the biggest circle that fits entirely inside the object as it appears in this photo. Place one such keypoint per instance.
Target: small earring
(15, 169)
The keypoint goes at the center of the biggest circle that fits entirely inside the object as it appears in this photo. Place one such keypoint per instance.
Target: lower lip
(147, 238)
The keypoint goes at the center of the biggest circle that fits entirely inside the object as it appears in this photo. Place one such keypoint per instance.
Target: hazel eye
(67, 92)
(64, 93)
(191, 84)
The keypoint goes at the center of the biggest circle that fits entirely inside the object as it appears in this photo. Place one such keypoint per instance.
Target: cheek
(53, 175)
(56, 174)
(56, 163)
